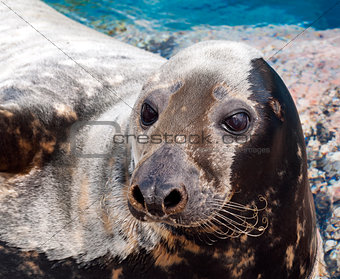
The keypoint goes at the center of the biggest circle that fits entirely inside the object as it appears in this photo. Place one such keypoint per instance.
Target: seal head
(219, 153)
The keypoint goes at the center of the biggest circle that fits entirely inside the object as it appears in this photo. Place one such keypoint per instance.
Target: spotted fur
(64, 214)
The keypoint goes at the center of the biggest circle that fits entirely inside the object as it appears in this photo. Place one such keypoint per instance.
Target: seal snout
(161, 187)
(158, 200)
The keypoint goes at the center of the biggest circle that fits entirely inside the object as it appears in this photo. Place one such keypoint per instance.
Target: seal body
(203, 177)
(255, 154)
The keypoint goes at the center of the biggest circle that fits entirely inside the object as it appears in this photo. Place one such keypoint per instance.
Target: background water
(174, 15)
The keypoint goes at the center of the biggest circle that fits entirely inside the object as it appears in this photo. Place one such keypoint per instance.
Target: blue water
(175, 15)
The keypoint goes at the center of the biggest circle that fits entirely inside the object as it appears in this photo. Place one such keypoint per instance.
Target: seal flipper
(30, 133)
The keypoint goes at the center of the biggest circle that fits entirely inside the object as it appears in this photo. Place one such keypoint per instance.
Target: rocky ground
(308, 62)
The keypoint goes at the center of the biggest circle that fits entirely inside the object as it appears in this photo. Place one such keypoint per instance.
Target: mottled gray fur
(58, 209)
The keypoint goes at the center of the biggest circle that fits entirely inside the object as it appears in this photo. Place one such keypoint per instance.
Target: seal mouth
(164, 219)
(227, 220)
(150, 218)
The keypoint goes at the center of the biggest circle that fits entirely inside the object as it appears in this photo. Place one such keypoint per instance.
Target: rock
(330, 244)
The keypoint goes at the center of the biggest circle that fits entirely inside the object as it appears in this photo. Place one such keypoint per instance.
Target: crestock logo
(79, 130)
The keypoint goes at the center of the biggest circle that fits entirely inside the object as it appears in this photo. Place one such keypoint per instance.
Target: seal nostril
(138, 196)
(173, 199)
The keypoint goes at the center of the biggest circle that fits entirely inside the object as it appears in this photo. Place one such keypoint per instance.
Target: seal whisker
(234, 226)
(235, 208)
(211, 229)
(255, 214)
(236, 215)
(247, 226)
(199, 234)
(217, 232)
(206, 228)
(243, 221)
(220, 234)
(232, 204)
(238, 207)
(226, 225)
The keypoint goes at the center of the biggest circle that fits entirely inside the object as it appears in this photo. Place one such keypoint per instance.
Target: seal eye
(236, 123)
(148, 114)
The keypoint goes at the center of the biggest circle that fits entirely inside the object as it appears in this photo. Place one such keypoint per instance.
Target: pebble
(330, 244)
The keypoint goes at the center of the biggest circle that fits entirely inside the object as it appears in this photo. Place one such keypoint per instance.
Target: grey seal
(209, 182)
